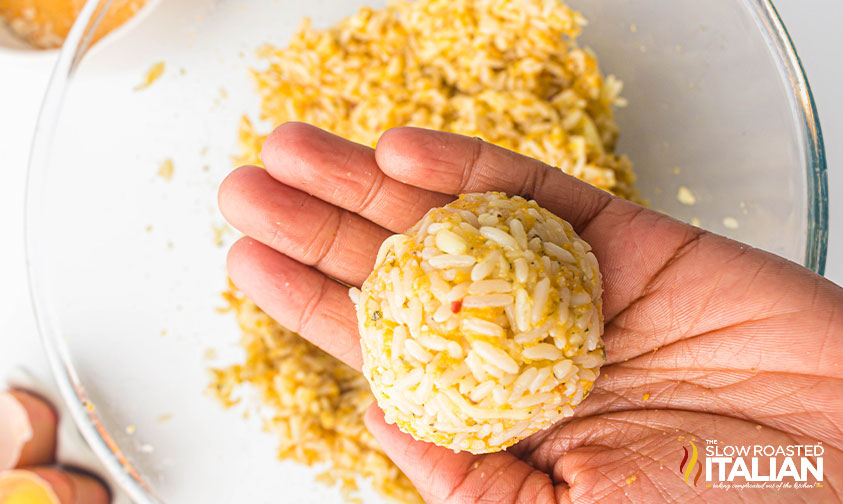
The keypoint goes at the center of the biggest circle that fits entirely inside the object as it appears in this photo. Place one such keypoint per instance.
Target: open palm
(707, 338)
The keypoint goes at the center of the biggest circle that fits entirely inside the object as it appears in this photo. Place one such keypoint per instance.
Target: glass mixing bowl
(125, 274)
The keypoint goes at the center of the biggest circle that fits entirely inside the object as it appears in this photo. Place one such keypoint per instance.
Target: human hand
(27, 457)
(706, 338)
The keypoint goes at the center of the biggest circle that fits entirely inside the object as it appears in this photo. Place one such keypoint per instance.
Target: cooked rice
(317, 404)
(509, 72)
(514, 385)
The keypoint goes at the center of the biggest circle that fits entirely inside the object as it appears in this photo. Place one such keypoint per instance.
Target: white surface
(812, 24)
(22, 364)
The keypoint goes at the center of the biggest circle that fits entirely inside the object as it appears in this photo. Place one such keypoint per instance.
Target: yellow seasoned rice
(317, 404)
(507, 71)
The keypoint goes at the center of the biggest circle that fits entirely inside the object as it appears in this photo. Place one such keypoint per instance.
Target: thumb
(441, 475)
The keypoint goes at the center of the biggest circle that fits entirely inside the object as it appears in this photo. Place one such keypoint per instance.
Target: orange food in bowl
(24, 487)
(45, 23)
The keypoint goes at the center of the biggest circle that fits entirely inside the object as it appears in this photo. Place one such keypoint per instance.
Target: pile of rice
(482, 323)
(317, 404)
(507, 71)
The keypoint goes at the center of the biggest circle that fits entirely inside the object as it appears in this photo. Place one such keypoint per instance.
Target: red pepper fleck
(456, 306)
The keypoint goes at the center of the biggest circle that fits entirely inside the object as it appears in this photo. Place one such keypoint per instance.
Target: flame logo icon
(686, 471)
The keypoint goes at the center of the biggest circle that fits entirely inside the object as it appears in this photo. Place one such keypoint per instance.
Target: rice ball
(481, 324)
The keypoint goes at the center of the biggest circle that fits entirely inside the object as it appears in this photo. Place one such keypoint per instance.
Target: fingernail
(26, 487)
(73, 487)
(15, 430)
(38, 433)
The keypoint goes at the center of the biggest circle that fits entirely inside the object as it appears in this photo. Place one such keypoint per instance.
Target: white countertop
(813, 25)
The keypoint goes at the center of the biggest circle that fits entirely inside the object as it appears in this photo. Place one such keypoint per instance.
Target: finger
(644, 256)
(455, 164)
(345, 174)
(631, 243)
(441, 475)
(298, 297)
(27, 430)
(337, 242)
(50, 485)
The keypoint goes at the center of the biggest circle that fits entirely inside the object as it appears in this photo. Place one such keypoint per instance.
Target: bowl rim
(816, 247)
(77, 44)
(26, 51)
